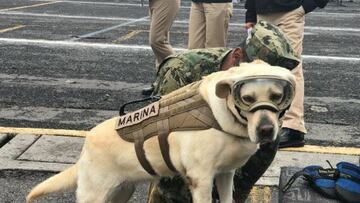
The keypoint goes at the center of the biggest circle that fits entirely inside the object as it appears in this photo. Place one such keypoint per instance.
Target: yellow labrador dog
(246, 102)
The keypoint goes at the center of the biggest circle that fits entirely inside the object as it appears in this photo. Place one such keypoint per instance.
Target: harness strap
(140, 153)
(294, 177)
(163, 129)
(122, 107)
(172, 105)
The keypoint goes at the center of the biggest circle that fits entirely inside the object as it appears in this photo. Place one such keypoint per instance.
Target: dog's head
(257, 95)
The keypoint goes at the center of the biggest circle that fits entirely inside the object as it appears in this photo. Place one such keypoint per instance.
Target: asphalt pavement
(67, 65)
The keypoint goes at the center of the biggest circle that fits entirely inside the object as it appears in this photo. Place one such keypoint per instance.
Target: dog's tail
(64, 181)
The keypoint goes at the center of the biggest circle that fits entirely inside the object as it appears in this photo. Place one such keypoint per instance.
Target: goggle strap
(264, 107)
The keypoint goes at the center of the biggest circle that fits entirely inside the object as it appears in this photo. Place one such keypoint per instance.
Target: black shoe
(147, 90)
(241, 196)
(291, 138)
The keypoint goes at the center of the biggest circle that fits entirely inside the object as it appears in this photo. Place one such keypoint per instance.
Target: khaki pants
(292, 24)
(162, 14)
(208, 24)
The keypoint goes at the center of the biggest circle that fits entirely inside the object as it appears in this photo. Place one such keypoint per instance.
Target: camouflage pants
(175, 190)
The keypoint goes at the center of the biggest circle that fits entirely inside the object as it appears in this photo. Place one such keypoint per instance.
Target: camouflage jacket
(181, 69)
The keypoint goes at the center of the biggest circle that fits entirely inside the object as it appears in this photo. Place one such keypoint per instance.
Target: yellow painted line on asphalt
(260, 194)
(11, 28)
(254, 195)
(44, 131)
(30, 6)
(324, 150)
(128, 36)
(267, 194)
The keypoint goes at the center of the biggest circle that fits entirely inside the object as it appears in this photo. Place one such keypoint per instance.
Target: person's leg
(163, 13)
(197, 26)
(292, 24)
(217, 22)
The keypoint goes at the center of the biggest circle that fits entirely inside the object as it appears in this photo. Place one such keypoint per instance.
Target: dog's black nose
(266, 131)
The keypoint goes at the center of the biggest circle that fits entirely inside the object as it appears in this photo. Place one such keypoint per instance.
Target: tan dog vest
(181, 110)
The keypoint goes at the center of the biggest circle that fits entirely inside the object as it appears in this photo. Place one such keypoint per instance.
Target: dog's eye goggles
(279, 95)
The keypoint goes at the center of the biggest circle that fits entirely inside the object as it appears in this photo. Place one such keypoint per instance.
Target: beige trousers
(208, 25)
(162, 16)
(292, 24)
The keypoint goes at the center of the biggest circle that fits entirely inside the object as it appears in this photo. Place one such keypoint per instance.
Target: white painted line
(322, 13)
(134, 47)
(71, 44)
(334, 14)
(132, 20)
(108, 29)
(76, 83)
(336, 58)
(310, 33)
(342, 29)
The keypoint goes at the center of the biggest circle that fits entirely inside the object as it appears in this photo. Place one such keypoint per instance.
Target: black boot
(291, 138)
(246, 177)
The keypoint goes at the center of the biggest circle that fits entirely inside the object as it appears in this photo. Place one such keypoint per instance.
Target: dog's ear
(223, 88)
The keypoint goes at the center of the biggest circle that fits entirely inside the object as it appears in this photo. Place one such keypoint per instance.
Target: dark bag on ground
(341, 183)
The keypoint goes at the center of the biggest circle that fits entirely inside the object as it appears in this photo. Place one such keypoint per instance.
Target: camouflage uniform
(269, 44)
(182, 69)
(266, 43)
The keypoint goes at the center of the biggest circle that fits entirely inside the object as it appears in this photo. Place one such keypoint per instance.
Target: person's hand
(249, 25)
